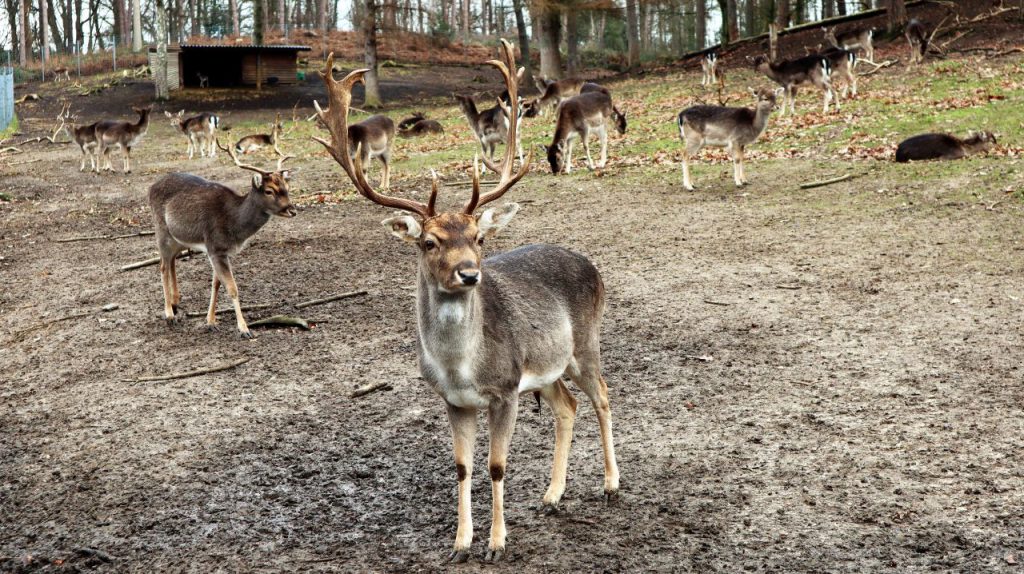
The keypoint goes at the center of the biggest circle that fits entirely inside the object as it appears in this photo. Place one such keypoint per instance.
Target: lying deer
(709, 66)
(862, 38)
(731, 128)
(200, 130)
(190, 212)
(372, 138)
(491, 329)
(917, 37)
(578, 116)
(421, 128)
(411, 120)
(253, 143)
(943, 146)
(123, 135)
(790, 74)
(491, 125)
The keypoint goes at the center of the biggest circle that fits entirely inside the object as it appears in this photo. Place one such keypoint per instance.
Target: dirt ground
(801, 381)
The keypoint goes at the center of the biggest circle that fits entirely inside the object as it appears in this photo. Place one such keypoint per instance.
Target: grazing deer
(253, 143)
(790, 74)
(421, 128)
(61, 74)
(200, 130)
(943, 146)
(411, 120)
(204, 81)
(917, 37)
(123, 135)
(372, 138)
(190, 212)
(709, 66)
(577, 117)
(491, 125)
(731, 128)
(862, 38)
(491, 329)
(843, 64)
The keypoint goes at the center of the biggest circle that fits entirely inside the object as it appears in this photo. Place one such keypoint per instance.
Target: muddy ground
(801, 381)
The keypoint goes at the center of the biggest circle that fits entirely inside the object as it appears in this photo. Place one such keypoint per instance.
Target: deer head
(450, 243)
(269, 188)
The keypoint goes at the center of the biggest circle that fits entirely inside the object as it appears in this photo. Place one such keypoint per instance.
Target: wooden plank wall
(279, 65)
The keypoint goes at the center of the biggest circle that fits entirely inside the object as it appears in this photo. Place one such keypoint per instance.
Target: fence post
(115, 53)
(78, 54)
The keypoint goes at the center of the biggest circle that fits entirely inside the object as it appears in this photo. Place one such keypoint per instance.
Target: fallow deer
(790, 74)
(709, 66)
(421, 128)
(917, 37)
(491, 125)
(124, 135)
(558, 91)
(200, 130)
(85, 137)
(862, 38)
(491, 329)
(204, 81)
(190, 212)
(411, 120)
(372, 138)
(61, 74)
(843, 64)
(578, 116)
(256, 142)
(731, 128)
(943, 146)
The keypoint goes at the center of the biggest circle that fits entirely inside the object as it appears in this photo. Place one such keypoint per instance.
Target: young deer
(731, 128)
(709, 66)
(190, 212)
(253, 143)
(790, 74)
(491, 125)
(943, 146)
(491, 329)
(577, 117)
(200, 130)
(421, 128)
(372, 138)
(124, 135)
(843, 64)
(917, 37)
(862, 38)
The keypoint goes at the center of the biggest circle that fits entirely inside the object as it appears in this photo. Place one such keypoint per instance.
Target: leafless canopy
(335, 118)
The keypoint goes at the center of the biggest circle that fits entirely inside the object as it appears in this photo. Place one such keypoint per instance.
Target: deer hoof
(212, 328)
(549, 509)
(494, 555)
(611, 496)
(247, 334)
(458, 556)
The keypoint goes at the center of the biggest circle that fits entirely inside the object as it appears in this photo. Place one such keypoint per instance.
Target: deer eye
(268, 191)
(429, 244)
(480, 240)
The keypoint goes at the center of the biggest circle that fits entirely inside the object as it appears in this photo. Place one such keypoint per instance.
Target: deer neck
(142, 124)
(761, 114)
(251, 216)
(450, 328)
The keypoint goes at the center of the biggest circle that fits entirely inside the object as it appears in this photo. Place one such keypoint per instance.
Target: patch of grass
(10, 129)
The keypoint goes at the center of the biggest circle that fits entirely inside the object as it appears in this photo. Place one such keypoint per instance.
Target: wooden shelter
(229, 66)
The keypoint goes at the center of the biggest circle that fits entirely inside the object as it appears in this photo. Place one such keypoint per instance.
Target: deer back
(375, 133)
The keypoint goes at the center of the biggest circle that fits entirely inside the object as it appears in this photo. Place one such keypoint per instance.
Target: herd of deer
(489, 329)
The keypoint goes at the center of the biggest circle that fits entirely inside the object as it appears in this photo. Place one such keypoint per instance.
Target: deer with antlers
(190, 212)
(491, 329)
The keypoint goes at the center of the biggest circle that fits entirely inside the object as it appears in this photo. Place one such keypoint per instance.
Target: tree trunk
(524, 40)
(701, 17)
(828, 9)
(282, 17)
(94, 26)
(24, 39)
(572, 41)
(465, 20)
(257, 23)
(44, 41)
(734, 21)
(897, 14)
(66, 15)
(782, 14)
(321, 9)
(12, 23)
(632, 35)
(51, 19)
(841, 7)
(79, 27)
(750, 16)
(372, 99)
(233, 8)
(644, 33)
(136, 26)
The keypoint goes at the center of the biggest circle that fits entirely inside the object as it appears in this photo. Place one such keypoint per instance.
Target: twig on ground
(281, 321)
(153, 261)
(197, 372)
(789, 287)
(721, 303)
(877, 67)
(19, 335)
(822, 183)
(365, 390)
(102, 237)
(246, 309)
(330, 299)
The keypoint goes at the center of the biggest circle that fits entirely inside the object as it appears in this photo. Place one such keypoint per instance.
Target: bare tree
(782, 14)
(896, 14)
(632, 34)
(701, 17)
(136, 26)
(547, 19)
(371, 81)
(524, 40)
(26, 33)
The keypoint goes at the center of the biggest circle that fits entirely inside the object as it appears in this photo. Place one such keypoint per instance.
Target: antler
(507, 179)
(335, 118)
(231, 152)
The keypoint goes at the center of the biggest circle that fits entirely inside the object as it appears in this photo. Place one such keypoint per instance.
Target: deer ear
(493, 220)
(404, 227)
(779, 91)
(168, 114)
(752, 91)
(257, 181)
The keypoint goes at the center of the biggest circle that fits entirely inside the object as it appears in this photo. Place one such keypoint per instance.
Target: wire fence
(6, 96)
(74, 64)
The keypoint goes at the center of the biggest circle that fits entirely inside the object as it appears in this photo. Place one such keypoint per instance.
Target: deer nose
(468, 276)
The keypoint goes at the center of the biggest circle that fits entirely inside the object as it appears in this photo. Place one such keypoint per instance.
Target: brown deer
(709, 67)
(943, 146)
(491, 125)
(421, 128)
(790, 74)
(491, 329)
(85, 137)
(123, 135)
(731, 128)
(842, 65)
(200, 130)
(411, 120)
(256, 142)
(917, 37)
(578, 116)
(862, 38)
(558, 91)
(372, 138)
(190, 212)
(61, 74)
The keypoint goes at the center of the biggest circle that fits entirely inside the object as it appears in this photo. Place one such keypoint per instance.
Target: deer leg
(563, 407)
(603, 136)
(737, 159)
(586, 147)
(212, 139)
(590, 381)
(222, 268)
(385, 159)
(568, 154)
(691, 149)
(463, 423)
(165, 280)
(175, 292)
(211, 315)
(501, 420)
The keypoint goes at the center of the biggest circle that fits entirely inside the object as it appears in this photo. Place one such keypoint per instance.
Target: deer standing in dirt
(943, 146)
(190, 212)
(256, 142)
(731, 128)
(200, 130)
(862, 38)
(124, 135)
(491, 125)
(491, 329)
(709, 67)
(790, 74)
(372, 138)
(204, 81)
(578, 116)
(917, 37)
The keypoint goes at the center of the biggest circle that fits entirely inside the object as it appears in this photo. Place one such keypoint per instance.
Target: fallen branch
(153, 261)
(813, 184)
(281, 321)
(224, 367)
(19, 335)
(232, 310)
(27, 98)
(102, 237)
(722, 303)
(789, 287)
(330, 299)
(877, 67)
(365, 390)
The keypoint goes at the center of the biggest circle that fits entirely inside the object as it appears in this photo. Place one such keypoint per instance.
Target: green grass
(11, 129)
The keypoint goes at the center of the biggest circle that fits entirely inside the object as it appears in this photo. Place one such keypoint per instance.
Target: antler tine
(475, 198)
(507, 179)
(434, 183)
(231, 152)
(339, 95)
(282, 157)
